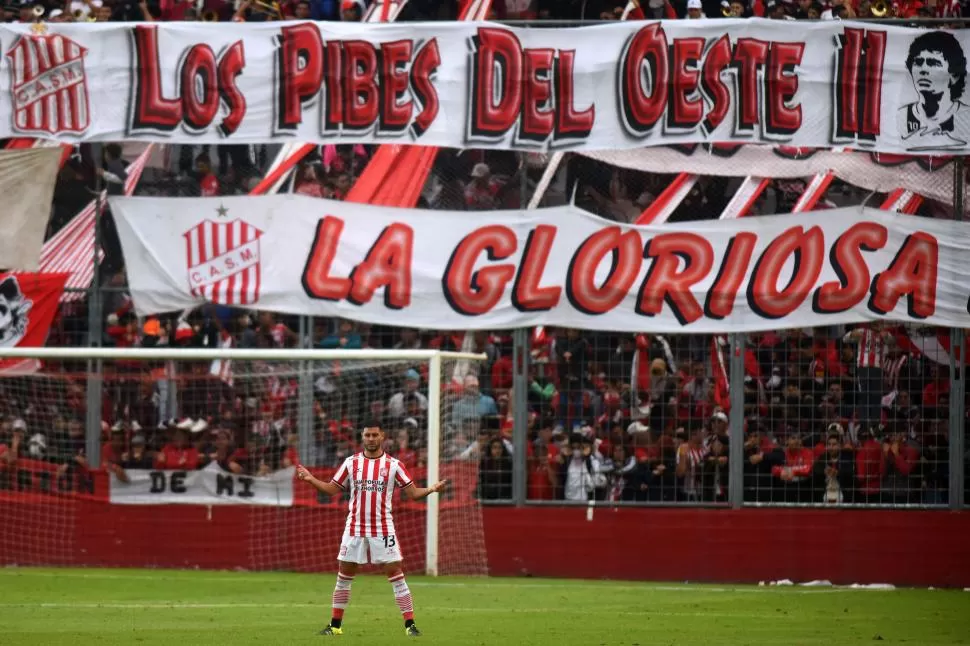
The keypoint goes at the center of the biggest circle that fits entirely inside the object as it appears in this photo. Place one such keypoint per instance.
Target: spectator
(578, 469)
(137, 458)
(472, 406)
(345, 338)
(179, 453)
(402, 445)
(833, 472)
(901, 457)
(481, 194)
(208, 182)
(793, 475)
(871, 342)
(572, 352)
(495, 473)
(619, 469)
(396, 405)
(691, 455)
(869, 467)
(224, 454)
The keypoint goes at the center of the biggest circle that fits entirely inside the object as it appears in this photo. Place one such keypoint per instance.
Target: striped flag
(71, 250)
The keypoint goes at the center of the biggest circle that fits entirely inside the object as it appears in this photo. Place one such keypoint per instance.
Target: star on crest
(38, 28)
(222, 211)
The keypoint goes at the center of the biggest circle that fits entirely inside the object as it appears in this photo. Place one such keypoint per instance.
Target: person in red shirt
(939, 385)
(208, 182)
(900, 458)
(869, 467)
(481, 194)
(403, 451)
(542, 477)
(178, 454)
(796, 471)
(114, 448)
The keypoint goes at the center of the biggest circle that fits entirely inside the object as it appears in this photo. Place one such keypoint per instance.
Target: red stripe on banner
(212, 236)
(667, 202)
(745, 197)
(244, 278)
(813, 192)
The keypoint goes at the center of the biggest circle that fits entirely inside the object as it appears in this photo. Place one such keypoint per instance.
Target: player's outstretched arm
(330, 488)
(417, 493)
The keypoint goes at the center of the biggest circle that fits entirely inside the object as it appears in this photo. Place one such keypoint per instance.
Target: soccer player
(371, 477)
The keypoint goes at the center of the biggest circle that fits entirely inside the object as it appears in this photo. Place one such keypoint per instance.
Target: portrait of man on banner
(938, 118)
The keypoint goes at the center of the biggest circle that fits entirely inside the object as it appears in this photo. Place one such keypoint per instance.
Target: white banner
(209, 486)
(561, 266)
(27, 179)
(484, 85)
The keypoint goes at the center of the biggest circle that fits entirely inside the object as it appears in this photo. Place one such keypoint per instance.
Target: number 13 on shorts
(370, 549)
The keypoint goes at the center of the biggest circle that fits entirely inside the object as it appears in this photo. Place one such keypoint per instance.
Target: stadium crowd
(829, 415)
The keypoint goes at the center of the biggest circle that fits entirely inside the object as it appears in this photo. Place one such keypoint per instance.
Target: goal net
(198, 450)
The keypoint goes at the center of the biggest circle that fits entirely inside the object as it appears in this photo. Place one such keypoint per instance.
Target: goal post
(299, 382)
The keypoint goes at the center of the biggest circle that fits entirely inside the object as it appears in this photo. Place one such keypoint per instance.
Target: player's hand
(439, 486)
(302, 473)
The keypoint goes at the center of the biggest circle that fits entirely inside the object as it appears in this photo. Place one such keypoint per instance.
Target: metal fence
(564, 417)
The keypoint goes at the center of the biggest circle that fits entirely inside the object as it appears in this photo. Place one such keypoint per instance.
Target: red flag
(28, 304)
(719, 367)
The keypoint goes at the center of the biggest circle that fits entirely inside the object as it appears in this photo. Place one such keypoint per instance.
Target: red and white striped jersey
(371, 483)
(872, 349)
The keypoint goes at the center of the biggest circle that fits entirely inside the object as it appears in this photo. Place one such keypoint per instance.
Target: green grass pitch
(183, 608)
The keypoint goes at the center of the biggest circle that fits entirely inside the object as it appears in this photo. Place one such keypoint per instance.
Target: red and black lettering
(570, 122)
(750, 56)
(644, 107)
(859, 61)
(473, 292)
(317, 281)
(538, 119)
(299, 71)
(720, 298)
(361, 94)
(395, 112)
(534, 95)
(626, 251)
(494, 111)
(425, 63)
(387, 265)
(781, 83)
(850, 266)
(686, 106)
(714, 88)
(912, 274)
(666, 282)
(151, 111)
(527, 295)
(807, 249)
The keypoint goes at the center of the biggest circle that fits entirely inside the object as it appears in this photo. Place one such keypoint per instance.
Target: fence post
(957, 420)
(736, 422)
(958, 364)
(304, 421)
(94, 383)
(520, 412)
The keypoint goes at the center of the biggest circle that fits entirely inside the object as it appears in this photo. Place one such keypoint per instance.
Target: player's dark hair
(946, 44)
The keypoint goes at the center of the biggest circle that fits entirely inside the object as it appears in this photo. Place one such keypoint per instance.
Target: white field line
(178, 606)
(234, 578)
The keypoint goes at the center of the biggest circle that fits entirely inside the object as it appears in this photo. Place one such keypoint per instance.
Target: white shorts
(354, 549)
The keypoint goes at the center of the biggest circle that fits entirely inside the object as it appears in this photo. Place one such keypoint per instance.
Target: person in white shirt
(396, 406)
